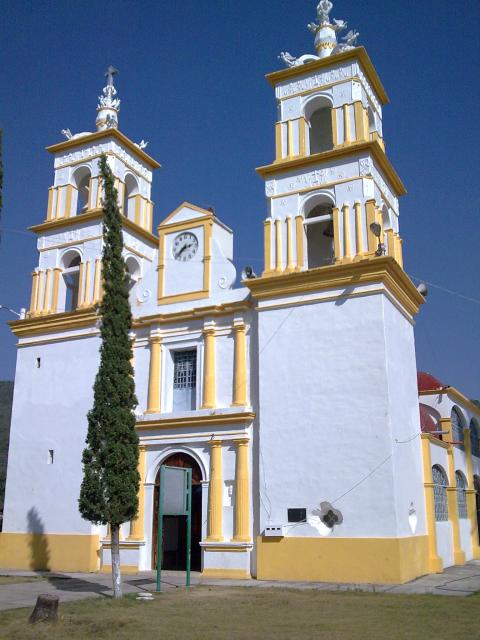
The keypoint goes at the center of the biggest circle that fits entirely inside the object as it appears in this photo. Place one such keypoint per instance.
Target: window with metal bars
(475, 438)
(184, 379)
(461, 494)
(440, 484)
(457, 428)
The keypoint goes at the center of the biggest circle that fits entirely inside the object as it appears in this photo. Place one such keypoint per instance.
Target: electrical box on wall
(273, 531)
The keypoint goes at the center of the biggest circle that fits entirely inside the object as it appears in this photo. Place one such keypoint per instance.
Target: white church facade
(292, 396)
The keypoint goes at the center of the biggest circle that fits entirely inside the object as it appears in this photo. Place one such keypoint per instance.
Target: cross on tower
(111, 71)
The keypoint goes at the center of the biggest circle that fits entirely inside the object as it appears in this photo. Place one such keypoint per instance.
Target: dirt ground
(214, 613)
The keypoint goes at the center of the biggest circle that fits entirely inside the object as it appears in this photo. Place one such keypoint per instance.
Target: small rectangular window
(297, 515)
(184, 380)
(50, 456)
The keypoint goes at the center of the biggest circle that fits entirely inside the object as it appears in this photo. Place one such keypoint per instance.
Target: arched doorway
(175, 527)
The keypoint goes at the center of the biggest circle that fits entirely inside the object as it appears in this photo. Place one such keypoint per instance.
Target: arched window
(461, 484)
(371, 121)
(133, 270)
(457, 427)
(81, 179)
(319, 225)
(440, 484)
(318, 114)
(131, 190)
(475, 438)
(71, 277)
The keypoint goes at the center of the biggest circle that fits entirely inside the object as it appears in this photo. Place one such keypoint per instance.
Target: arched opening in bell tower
(71, 278)
(175, 527)
(319, 232)
(81, 179)
(318, 114)
(131, 190)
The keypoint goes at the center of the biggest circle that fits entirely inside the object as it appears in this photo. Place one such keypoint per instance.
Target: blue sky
(192, 83)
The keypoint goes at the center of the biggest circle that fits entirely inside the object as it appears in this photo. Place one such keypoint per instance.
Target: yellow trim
(371, 146)
(358, 229)
(226, 574)
(215, 493)
(456, 395)
(383, 269)
(209, 374)
(398, 249)
(240, 366)
(33, 297)
(38, 301)
(154, 375)
(278, 141)
(46, 295)
(301, 137)
(361, 134)
(336, 234)
(127, 569)
(196, 421)
(434, 440)
(226, 547)
(290, 153)
(96, 280)
(278, 245)
(194, 313)
(107, 133)
(334, 127)
(188, 205)
(299, 233)
(90, 194)
(54, 323)
(86, 298)
(242, 493)
(435, 563)
(359, 52)
(184, 297)
(391, 243)
(207, 258)
(137, 529)
(80, 285)
(56, 282)
(267, 245)
(347, 245)
(372, 241)
(347, 134)
(50, 202)
(357, 560)
(67, 212)
(138, 205)
(289, 266)
(48, 552)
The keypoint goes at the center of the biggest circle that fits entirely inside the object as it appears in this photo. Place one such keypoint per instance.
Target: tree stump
(46, 609)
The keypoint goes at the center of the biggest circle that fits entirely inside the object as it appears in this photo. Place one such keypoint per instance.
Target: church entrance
(174, 556)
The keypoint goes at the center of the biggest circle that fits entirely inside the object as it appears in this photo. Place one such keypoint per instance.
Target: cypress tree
(108, 494)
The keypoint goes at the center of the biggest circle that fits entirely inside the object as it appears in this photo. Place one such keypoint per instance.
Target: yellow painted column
(240, 366)
(278, 141)
(242, 493)
(391, 243)
(33, 298)
(46, 296)
(138, 206)
(358, 229)
(290, 139)
(471, 502)
(51, 193)
(334, 128)
(56, 282)
(153, 403)
(137, 525)
(435, 563)
(290, 266)
(299, 241)
(38, 299)
(67, 211)
(361, 134)
(80, 285)
(301, 137)
(215, 493)
(96, 280)
(90, 194)
(372, 240)
(267, 245)
(278, 245)
(347, 134)
(336, 233)
(86, 298)
(209, 377)
(458, 554)
(347, 245)
(398, 250)
(58, 202)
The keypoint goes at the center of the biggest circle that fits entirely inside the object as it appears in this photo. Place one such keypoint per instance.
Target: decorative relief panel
(98, 149)
(315, 81)
(71, 235)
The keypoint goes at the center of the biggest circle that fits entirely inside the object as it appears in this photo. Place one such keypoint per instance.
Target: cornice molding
(196, 313)
(456, 395)
(196, 421)
(54, 323)
(371, 270)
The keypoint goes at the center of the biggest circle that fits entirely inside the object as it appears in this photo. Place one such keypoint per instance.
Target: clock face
(185, 246)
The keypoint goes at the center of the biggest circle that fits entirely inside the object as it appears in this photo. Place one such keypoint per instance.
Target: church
(317, 453)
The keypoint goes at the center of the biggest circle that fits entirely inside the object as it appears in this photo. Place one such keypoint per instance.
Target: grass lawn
(18, 579)
(213, 613)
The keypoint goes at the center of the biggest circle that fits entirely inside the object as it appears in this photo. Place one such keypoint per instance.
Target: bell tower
(68, 277)
(332, 193)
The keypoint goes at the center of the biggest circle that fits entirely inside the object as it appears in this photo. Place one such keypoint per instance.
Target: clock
(185, 246)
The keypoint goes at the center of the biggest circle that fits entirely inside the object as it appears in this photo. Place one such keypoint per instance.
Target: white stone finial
(108, 106)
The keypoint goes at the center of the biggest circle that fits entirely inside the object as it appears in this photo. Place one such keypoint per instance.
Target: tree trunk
(46, 609)
(115, 552)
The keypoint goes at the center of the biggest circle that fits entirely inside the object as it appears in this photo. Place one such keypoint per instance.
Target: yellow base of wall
(377, 560)
(124, 568)
(226, 574)
(49, 552)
